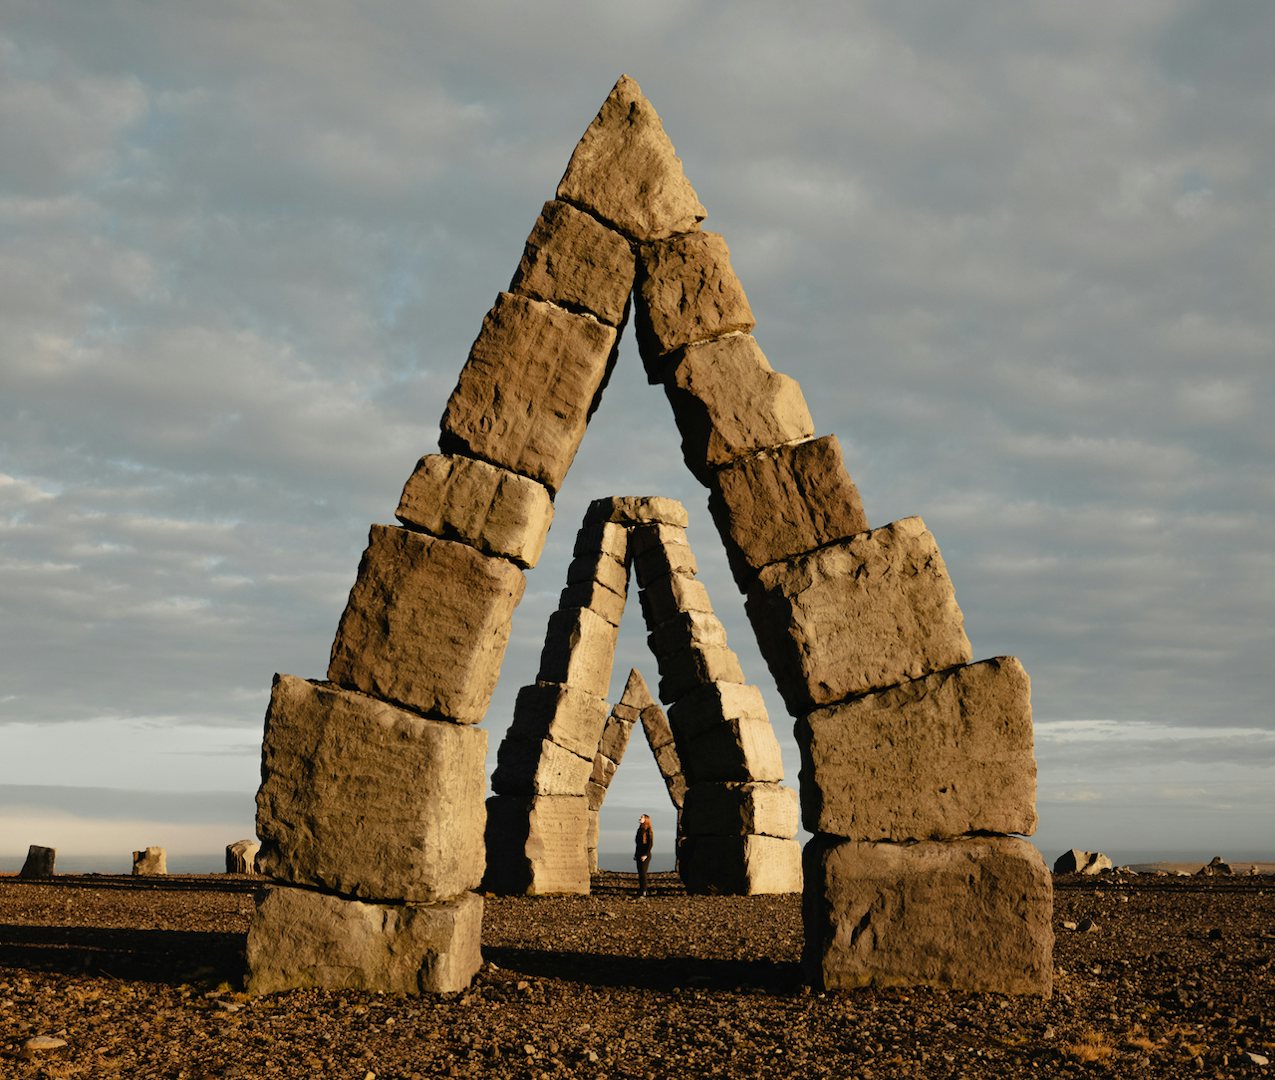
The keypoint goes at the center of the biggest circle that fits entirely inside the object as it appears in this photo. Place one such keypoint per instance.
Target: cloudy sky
(1019, 256)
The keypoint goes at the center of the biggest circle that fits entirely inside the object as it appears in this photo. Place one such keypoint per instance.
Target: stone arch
(917, 765)
(737, 822)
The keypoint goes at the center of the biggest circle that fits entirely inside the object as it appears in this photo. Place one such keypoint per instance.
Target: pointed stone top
(625, 170)
(637, 510)
(636, 694)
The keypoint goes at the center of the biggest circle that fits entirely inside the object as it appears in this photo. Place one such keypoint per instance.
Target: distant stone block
(538, 768)
(241, 857)
(39, 862)
(150, 862)
(667, 597)
(571, 717)
(740, 865)
(537, 846)
(740, 809)
(723, 735)
(300, 939)
(637, 510)
(579, 650)
(603, 538)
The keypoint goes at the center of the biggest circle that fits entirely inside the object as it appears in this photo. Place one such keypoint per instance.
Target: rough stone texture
(740, 809)
(686, 292)
(491, 509)
(687, 630)
(241, 857)
(936, 757)
(352, 791)
(739, 750)
(625, 170)
(603, 771)
(579, 650)
(869, 612)
(637, 695)
(301, 939)
(675, 784)
(667, 761)
(526, 391)
(536, 846)
(573, 260)
(595, 794)
(615, 736)
(592, 830)
(538, 768)
(713, 704)
(600, 568)
(661, 561)
(783, 503)
(669, 596)
(571, 717)
(39, 862)
(656, 726)
(426, 624)
(682, 670)
(969, 915)
(644, 538)
(596, 597)
(152, 862)
(1076, 861)
(603, 538)
(637, 510)
(740, 865)
(729, 402)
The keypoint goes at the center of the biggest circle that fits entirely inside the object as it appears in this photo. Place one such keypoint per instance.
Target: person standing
(642, 845)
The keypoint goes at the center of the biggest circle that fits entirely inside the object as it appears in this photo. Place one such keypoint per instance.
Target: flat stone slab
(491, 509)
(625, 170)
(526, 391)
(637, 510)
(300, 939)
(935, 757)
(368, 800)
(740, 865)
(740, 809)
(729, 402)
(426, 624)
(782, 503)
(538, 768)
(537, 846)
(573, 260)
(867, 613)
(571, 717)
(579, 650)
(686, 292)
(970, 915)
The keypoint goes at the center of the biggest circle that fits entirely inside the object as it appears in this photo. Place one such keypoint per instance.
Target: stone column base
(740, 865)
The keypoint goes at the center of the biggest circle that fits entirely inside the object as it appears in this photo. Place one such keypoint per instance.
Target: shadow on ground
(166, 956)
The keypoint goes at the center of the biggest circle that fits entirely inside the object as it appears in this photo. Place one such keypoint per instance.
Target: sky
(1019, 257)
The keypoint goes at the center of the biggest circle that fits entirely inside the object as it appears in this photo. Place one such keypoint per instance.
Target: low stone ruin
(241, 857)
(1076, 861)
(39, 862)
(150, 862)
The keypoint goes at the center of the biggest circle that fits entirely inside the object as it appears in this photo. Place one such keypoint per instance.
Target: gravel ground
(1169, 977)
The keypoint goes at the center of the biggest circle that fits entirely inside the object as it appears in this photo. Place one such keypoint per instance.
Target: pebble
(43, 1042)
(1257, 1059)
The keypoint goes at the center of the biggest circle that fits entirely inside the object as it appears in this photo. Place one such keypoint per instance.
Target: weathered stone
(491, 509)
(659, 562)
(675, 784)
(656, 726)
(300, 939)
(936, 757)
(740, 865)
(596, 597)
(603, 771)
(637, 510)
(536, 846)
(528, 387)
(869, 612)
(241, 857)
(783, 503)
(739, 750)
(644, 538)
(573, 260)
(615, 736)
(686, 292)
(603, 538)
(1076, 861)
(579, 650)
(682, 670)
(426, 624)
(967, 915)
(602, 569)
(592, 830)
(671, 595)
(39, 862)
(687, 630)
(625, 170)
(571, 717)
(595, 794)
(538, 768)
(667, 761)
(637, 695)
(740, 809)
(368, 800)
(151, 862)
(729, 402)
(713, 704)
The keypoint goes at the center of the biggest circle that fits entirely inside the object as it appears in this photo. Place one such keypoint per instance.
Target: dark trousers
(643, 861)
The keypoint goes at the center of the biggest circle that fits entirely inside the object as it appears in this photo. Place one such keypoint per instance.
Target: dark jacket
(643, 842)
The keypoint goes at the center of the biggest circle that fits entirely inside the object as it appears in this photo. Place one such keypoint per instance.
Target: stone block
(969, 915)
(782, 503)
(579, 650)
(537, 846)
(571, 717)
(368, 800)
(150, 862)
(714, 704)
(625, 171)
(869, 612)
(669, 596)
(39, 862)
(573, 260)
(740, 865)
(592, 831)
(741, 749)
(947, 754)
(602, 569)
(644, 538)
(687, 630)
(603, 538)
(637, 510)
(729, 402)
(675, 784)
(241, 857)
(661, 561)
(667, 761)
(637, 695)
(682, 670)
(615, 736)
(740, 809)
(595, 794)
(527, 388)
(491, 509)
(656, 726)
(300, 939)
(596, 597)
(603, 771)
(1076, 861)
(538, 768)
(426, 624)
(686, 292)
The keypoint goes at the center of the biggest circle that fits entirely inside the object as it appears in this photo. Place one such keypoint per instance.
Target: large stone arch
(916, 764)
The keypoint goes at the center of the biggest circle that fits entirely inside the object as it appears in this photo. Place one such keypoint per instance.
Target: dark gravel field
(1161, 977)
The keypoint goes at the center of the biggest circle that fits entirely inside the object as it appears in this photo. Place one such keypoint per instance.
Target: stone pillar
(150, 862)
(241, 857)
(39, 862)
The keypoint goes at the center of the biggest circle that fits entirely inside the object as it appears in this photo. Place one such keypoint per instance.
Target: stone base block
(740, 809)
(936, 757)
(300, 939)
(537, 846)
(364, 799)
(970, 915)
(39, 862)
(739, 865)
(150, 862)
